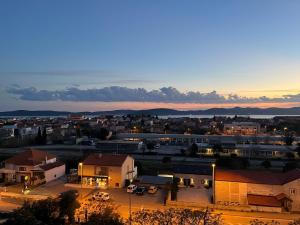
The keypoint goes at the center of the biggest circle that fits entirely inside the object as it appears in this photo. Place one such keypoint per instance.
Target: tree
(44, 136)
(107, 216)
(217, 148)
(150, 146)
(174, 188)
(78, 132)
(290, 155)
(295, 222)
(102, 133)
(298, 149)
(68, 204)
(176, 217)
(289, 138)
(166, 159)
(266, 164)
(41, 212)
(39, 138)
(193, 149)
(289, 166)
(259, 222)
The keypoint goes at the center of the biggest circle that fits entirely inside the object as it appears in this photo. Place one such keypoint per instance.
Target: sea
(231, 116)
(167, 116)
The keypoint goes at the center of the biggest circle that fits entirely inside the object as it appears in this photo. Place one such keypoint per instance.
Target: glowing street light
(213, 181)
(81, 171)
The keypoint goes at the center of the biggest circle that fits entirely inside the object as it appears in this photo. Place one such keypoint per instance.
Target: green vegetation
(46, 212)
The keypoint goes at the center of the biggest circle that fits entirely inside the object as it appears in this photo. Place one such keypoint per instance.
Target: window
(292, 191)
(101, 171)
(22, 168)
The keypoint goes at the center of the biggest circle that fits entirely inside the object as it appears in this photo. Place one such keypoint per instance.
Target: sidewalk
(260, 215)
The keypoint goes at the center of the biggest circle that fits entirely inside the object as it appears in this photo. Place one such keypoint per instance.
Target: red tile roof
(105, 160)
(257, 177)
(30, 157)
(263, 200)
(282, 196)
(50, 166)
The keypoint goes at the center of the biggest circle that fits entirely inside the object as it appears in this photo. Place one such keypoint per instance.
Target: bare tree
(176, 217)
(259, 222)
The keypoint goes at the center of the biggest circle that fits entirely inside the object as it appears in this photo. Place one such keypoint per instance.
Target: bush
(266, 164)
(166, 159)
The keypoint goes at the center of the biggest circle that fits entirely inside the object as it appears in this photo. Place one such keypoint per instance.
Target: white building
(33, 167)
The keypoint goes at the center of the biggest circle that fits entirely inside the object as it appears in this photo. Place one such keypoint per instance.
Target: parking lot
(120, 200)
(201, 196)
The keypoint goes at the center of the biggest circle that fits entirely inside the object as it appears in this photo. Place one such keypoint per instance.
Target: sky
(136, 54)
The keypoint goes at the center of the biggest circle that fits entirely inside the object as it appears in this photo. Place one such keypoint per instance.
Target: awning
(263, 200)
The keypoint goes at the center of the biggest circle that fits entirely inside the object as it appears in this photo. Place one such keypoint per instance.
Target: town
(149, 112)
(238, 168)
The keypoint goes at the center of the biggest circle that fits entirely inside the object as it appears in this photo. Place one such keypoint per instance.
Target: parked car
(98, 195)
(101, 196)
(152, 189)
(105, 197)
(140, 190)
(131, 188)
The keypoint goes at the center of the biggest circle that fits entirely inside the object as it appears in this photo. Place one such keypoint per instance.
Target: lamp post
(81, 171)
(213, 181)
(130, 204)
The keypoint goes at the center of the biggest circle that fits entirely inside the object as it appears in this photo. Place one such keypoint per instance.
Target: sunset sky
(101, 55)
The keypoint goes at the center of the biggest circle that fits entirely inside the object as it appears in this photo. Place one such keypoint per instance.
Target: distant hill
(163, 112)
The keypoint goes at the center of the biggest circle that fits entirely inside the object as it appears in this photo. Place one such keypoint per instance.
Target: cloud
(124, 94)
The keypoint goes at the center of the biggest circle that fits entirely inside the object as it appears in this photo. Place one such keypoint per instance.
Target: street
(120, 198)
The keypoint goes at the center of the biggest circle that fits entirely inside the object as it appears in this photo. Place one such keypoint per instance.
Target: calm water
(165, 117)
(211, 116)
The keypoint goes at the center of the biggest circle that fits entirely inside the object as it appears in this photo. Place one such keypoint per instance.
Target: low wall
(22, 197)
(78, 186)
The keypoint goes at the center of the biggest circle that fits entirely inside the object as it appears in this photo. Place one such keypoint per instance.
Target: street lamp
(130, 204)
(213, 181)
(81, 171)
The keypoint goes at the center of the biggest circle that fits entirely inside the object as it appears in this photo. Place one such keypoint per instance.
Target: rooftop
(263, 200)
(257, 177)
(30, 157)
(105, 160)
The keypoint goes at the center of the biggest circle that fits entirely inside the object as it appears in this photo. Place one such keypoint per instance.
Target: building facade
(32, 167)
(260, 190)
(107, 170)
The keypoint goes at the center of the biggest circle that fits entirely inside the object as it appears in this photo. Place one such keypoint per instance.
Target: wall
(55, 173)
(295, 197)
(128, 165)
(197, 178)
(231, 192)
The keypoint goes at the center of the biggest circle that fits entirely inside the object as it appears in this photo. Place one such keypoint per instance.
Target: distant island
(162, 112)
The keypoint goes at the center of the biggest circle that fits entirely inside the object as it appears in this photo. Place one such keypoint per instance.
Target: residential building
(107, 170)
(260, 190)
(33, 167)
(242, 128)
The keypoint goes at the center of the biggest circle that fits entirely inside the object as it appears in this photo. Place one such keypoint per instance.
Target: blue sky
(247, 48)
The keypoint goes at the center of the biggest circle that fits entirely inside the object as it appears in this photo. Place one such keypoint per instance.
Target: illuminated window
(22, 168)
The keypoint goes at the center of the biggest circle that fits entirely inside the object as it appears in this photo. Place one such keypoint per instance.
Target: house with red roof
(259, 190)
(33, 167)
(106, 170)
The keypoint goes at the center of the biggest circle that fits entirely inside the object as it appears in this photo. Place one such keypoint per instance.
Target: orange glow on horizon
(103, 106)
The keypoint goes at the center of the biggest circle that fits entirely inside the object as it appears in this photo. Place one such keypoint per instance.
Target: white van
(131, 188)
